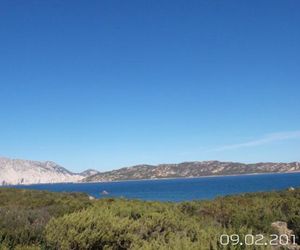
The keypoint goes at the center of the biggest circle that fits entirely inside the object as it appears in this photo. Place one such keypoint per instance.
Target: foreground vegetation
(45, 220)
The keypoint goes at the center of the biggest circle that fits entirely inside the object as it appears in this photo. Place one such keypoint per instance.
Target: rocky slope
(15, 171)
(192, 169)
(89, 172)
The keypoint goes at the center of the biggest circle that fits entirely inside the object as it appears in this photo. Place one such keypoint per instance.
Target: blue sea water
(179, 189)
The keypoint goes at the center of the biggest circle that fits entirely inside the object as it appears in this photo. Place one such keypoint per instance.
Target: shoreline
(155, 179)
(193, 177)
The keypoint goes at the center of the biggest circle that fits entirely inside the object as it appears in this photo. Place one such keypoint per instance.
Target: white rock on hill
(15, 171)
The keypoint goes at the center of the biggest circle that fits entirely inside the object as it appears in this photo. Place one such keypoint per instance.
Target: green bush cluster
(25, 213)
(122, 224)
(256, 211)
(45, 220)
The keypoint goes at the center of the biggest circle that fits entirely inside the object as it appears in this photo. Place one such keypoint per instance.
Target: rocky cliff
(15, 171)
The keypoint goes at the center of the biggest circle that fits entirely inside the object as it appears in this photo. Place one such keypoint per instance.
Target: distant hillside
(89, 172)
(15, 171)
(191, 169)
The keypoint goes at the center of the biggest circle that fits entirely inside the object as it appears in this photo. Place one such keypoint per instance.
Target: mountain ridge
(18, 171)
(192, 169)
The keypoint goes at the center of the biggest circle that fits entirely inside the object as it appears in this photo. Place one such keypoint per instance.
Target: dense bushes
(256, 211)
(44, 220)
(24, 214)
(125, 224)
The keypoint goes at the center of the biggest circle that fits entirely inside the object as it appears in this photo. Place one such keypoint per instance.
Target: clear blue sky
(107, 84)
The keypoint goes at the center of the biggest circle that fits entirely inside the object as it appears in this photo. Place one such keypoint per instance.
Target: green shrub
(24, 214)
(43, 220)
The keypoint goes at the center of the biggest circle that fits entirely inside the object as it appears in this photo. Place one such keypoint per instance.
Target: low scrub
(45, 220)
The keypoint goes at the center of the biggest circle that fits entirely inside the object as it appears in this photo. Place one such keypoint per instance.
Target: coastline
(192, 177)
(154, 179)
